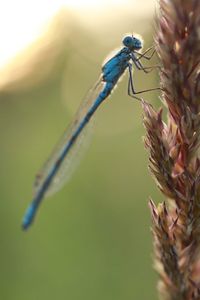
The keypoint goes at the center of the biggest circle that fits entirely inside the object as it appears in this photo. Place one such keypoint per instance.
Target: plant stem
(173, 147)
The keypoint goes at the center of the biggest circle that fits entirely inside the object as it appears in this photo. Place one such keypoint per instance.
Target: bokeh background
(91, 240)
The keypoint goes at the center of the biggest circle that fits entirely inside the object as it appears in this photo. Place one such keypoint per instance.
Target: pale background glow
(21, 22)
(92, 239)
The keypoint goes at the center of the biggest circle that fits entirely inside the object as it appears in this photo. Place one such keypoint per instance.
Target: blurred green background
(92, 239)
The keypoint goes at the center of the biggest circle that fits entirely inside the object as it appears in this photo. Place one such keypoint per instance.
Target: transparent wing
(75, 153)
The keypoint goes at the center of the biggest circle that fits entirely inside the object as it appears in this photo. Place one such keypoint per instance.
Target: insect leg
(143, 55)
(131, 89)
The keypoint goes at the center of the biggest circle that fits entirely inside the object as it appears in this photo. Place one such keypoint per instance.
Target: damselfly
(55, 171)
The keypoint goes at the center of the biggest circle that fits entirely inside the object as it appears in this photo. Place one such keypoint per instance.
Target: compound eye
(127, 41)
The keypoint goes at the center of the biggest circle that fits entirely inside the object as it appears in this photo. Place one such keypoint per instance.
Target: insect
(56, 169)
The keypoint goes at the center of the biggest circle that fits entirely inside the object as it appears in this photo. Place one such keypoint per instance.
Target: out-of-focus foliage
(91, 240)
